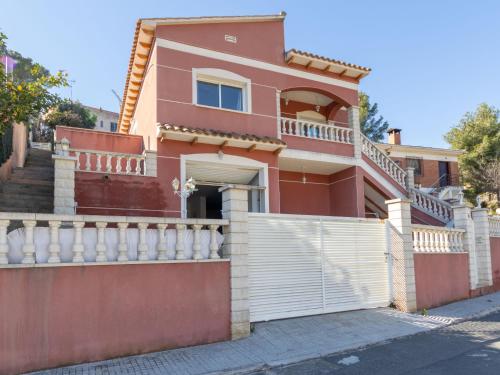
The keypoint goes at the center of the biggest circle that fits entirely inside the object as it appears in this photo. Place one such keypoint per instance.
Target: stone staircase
(30, 189)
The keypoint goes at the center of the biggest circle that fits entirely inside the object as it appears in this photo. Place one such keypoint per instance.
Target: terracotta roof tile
(218, 133)
(327, 59)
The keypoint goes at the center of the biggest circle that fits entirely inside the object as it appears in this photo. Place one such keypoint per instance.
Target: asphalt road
(470, 347)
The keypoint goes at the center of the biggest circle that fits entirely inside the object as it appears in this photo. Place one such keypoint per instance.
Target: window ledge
(222, 109)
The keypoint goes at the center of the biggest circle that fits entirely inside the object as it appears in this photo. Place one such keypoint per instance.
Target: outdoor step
(44, 210)
(14, 198)
(14, 187)
(31, 181)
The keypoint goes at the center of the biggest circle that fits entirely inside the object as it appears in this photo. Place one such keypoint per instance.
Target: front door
(444, 174)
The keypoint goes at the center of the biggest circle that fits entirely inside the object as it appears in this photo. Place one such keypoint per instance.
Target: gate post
(235, 247)
(483, 250)
(64, 179)
(403, 269)
(462, 219)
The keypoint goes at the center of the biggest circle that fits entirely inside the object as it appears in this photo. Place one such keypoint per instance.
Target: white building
(106, 120)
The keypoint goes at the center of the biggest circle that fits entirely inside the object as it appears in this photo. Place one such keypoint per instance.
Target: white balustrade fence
(430, 239)
(383, 160)
(90, 239)
(315, 130)
(431, 205)
(494, 226)
(109, 162)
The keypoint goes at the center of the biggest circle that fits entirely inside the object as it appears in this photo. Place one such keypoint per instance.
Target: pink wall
(317, 145)
(441, 278)
(347, 194)
(495, 261)
(310, 198)
(102, 141)
(419, 217)
(54, 316)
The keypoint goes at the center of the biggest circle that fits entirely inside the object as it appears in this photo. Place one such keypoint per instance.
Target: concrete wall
(441, 278)
(53, 316)
(495, 261)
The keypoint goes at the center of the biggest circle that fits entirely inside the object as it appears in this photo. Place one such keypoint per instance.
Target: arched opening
(302, 102)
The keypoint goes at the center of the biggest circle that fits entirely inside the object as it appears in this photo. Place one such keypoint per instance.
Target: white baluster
(415, 240)
(421, 240)
(427, 241)
(54, 247)
(98, 166)
(108, 163)
(162, 242)
(137, 166)
(128, 167)
(213, 242)
(87, 161)
(101, 245)
(78, 242)
(143, 246)
(447, 247)
(29, 246)
(4, 245)
(122, 245)
(197, 242)
(118, 168)
(179, 244)
(460, 241)
(77, 156)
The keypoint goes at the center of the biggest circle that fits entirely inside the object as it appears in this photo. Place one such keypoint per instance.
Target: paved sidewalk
(291, 340)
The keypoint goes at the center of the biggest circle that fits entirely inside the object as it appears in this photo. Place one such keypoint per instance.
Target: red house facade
(218, 99)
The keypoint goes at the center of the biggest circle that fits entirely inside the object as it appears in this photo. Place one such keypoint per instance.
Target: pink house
(235, 107)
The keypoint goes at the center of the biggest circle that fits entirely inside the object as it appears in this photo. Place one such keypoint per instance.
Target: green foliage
(478, 134)
(70, 113)
(373, 126)
(26, 93)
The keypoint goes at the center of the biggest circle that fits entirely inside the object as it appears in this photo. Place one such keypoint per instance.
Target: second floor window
(220, 95)
(113, 126)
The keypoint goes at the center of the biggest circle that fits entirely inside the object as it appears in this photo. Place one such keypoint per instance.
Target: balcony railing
(431, 205)
(430, 239)
(494, 222)
(315, 130)
(108, 162)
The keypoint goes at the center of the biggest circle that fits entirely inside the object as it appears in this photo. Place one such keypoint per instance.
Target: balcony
(315, 130)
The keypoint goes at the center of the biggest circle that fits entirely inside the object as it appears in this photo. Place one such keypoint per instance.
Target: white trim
(252, 63)
(229, 160)
(223, 77)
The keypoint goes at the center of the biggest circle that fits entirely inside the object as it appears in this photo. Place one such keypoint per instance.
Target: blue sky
(432, 61)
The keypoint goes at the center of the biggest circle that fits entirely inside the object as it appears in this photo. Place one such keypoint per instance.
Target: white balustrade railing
(430, 239)
(494, 222)
(431, 205)
(315, 130)
(109, 162)
(383, 160)
(109, 239)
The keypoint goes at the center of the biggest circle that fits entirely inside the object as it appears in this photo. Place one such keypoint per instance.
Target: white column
(353, 118)
(235, 209)
(101, 245)
(151, 163)
(403, 270)
(143, 246)
(64, 179)
(54, 247)
(122, 245)
(29, 246)
(410, 173)
(214, 248)
(483, 250)
(78, 242)
(462, 219)
(4, 245)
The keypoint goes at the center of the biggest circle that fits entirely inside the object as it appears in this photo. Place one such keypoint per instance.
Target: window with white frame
(221, 89)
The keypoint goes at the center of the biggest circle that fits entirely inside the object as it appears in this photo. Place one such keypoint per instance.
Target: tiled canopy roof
(327, 59)
(218, 133)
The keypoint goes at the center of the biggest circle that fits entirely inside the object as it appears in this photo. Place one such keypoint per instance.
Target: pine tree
(373, 126)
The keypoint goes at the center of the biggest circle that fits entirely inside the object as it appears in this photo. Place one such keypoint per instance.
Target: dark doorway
(205, 203)
(444, 174)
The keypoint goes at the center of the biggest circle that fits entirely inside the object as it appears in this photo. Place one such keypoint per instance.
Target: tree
(372, 126)
(72, 114)
(478, 134)
(25, 93)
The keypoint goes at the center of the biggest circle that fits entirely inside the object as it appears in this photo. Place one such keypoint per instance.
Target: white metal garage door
(304, 265)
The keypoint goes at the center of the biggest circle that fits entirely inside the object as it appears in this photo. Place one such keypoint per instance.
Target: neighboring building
(106, 120)
(233, 107)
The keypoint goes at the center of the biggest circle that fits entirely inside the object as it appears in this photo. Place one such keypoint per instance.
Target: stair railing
(431, 205)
